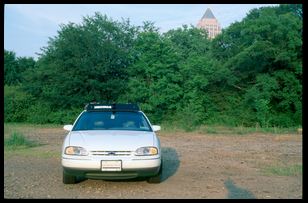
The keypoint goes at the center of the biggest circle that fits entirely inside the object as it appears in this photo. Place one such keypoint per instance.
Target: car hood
(111, 140)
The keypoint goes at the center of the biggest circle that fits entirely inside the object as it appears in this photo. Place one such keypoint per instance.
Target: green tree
(197, 70)
(10, 68)
(249, 74)
(83, 63)
(265, 46)
(154, 77)
(14, 68)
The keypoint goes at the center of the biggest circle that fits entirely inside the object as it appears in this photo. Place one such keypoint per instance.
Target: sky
(28, 27)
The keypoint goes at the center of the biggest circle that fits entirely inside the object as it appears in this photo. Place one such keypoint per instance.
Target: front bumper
(131, 167)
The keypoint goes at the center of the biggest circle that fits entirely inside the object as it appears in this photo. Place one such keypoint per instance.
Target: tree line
(250, 74)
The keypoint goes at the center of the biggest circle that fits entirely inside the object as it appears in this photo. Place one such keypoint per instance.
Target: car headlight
(146, 151)
(72, 150)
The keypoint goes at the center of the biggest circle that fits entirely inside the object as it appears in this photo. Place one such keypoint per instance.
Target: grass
(292, 170)
(17, 141)
(211, 130)
(17, 144)
(32, 152)
(227, 130)
(242, 130)
(169, 127)
(24, 127)
(266, 130)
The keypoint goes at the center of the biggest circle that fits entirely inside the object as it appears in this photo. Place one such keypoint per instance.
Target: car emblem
(111, 153)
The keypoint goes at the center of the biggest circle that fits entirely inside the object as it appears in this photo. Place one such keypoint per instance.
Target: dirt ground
(195, 166)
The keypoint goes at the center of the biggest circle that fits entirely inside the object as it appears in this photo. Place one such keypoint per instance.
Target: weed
(293, 170)
(211, 130)
(18, 140)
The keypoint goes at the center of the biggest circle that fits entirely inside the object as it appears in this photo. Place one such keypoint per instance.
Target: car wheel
(158, 177)
(68, 179)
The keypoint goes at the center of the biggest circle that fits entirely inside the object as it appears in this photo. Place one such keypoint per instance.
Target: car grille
(111, 153)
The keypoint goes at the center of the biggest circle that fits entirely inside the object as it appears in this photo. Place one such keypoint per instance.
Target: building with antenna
(209, 23)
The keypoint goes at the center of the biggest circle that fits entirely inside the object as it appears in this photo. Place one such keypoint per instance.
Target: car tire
(69, 179)
(157, 178)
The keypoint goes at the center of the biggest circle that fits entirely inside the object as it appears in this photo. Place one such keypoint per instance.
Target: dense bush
(249, 75)
(16, 103)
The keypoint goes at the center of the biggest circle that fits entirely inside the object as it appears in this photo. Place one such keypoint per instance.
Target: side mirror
(155, 128)
(68, 127)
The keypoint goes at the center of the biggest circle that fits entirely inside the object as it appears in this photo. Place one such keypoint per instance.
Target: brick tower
(209, 23)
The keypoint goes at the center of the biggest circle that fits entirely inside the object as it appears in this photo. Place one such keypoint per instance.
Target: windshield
(112, 121)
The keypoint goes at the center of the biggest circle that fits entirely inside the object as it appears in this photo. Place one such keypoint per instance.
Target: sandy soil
(195, 166)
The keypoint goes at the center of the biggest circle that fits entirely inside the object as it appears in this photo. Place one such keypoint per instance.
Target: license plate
(111, 165)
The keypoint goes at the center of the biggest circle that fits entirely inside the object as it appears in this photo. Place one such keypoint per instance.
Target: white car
(111, 142)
